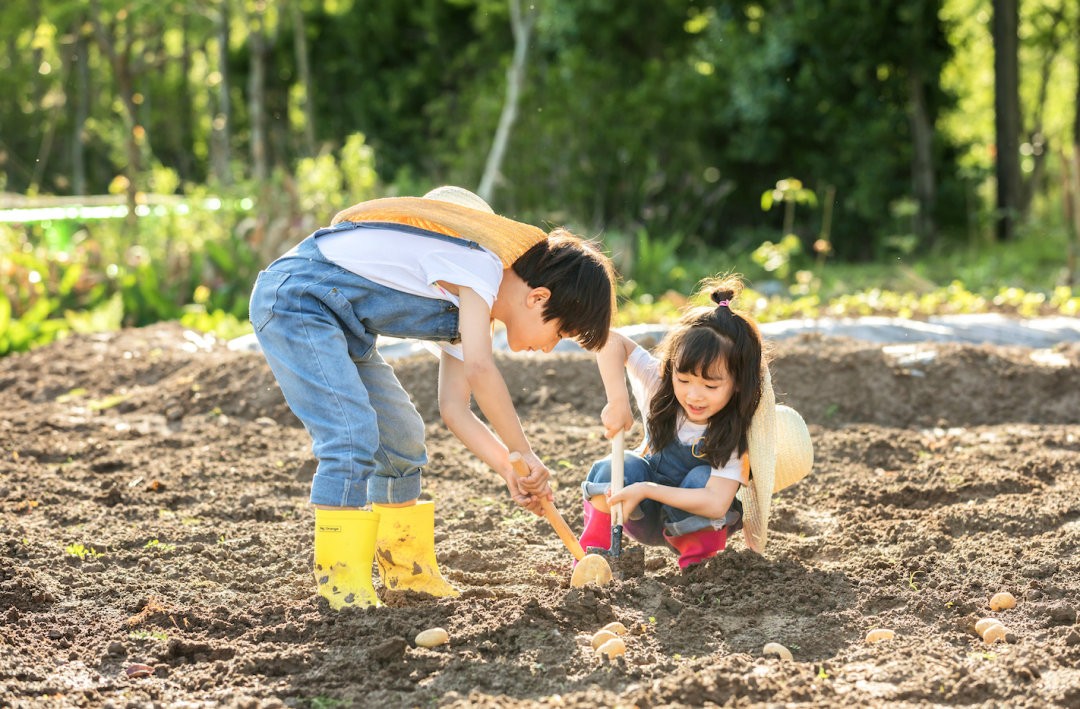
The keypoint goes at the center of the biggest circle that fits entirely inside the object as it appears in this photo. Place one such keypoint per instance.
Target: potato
(994, 633)
(612, 648)
(432, 637)
(878, 634)
(777, 649)
(615, 627)
(591, 569)
(1002, 601)
(602, 636)
(984, 623)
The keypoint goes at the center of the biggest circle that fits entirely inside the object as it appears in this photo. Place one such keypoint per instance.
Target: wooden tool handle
(552, 514)
(617, 461)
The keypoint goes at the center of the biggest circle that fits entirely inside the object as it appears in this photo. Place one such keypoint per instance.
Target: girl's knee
(600, 472)
(697, 477)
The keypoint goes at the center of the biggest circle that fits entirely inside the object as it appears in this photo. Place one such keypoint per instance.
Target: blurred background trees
(657, 125)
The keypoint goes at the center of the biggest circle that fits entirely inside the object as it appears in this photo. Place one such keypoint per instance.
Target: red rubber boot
(597, 528)
(698, 546)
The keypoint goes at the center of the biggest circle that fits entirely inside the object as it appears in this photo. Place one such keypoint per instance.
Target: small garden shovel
(631, 562)
(617, 461)
(590, 568)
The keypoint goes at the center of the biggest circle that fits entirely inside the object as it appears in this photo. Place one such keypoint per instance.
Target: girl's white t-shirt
(412, 263)
(644, 372)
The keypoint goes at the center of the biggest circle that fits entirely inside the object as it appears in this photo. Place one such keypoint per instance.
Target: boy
(438, 268)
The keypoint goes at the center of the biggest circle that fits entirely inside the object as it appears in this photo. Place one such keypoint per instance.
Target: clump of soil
(153, 512)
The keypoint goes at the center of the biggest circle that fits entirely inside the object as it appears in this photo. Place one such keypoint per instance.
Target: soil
(156, 543)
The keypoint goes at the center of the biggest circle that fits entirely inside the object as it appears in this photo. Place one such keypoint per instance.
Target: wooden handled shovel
(590, 568)
(631, 562)
(617, 462)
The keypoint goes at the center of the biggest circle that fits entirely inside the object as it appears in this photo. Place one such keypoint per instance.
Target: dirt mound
(153, 511)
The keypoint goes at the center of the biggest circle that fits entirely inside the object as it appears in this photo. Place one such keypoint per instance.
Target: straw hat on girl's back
(781, 454)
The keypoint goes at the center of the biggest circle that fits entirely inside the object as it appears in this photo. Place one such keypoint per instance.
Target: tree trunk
(303, 68)
(1076, 104)
(82, 112)
(1007, 116)
(120, 61)
(922, 160)
(221, 125)
(521, 25)
(185, 139)
(257, 94)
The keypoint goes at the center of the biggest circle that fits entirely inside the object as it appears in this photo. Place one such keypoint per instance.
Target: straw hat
(781, 454)
(460, 196)
(450, 210)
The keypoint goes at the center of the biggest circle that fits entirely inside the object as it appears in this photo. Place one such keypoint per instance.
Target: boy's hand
(536, 482)
(517, 494)
(530, 490)
(616, 417)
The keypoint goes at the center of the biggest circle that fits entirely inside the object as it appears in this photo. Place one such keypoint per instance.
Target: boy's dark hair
(582, 284)
(707, 335)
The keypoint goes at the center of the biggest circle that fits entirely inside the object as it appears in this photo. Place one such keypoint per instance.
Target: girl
(697, 398)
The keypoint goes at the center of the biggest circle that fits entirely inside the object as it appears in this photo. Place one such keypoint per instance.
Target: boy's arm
(611, 360)
(455, 409)
(477, 374)
(712, 501)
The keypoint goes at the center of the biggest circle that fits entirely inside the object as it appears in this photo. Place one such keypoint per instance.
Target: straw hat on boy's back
(781, 454)
(454, 211)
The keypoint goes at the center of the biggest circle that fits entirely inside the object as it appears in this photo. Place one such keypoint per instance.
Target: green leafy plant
(788, 192)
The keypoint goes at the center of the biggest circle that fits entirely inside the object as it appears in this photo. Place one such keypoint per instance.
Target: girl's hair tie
(723, 303)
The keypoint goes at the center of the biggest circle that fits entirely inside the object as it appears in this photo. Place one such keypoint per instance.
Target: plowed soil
(153, 512)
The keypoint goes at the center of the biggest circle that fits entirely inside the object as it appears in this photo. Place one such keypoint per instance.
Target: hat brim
(459, 196)
(756, 497)
(794, 449)
(781, 454)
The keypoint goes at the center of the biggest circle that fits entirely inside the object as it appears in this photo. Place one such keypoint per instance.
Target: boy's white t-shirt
(644, 371)
(412, 263)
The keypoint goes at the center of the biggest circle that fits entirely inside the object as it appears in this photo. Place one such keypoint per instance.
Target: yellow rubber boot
(406, 550)
(344, 551)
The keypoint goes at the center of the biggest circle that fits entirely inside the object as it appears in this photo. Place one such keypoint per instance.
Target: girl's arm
(712, 501)
(611, 360)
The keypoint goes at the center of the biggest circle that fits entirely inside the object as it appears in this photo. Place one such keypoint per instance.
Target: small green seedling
(154, 544)
(142, 634)
(81, 552)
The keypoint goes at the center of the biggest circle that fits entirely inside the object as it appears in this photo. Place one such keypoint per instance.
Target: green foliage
(780, 257)
(655, 265)
(783, 284)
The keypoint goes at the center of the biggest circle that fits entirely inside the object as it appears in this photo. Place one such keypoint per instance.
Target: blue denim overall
(316, 323)
(675, 466)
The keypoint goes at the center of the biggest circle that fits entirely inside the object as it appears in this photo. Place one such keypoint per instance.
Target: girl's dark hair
(582, 284)
(705, 336)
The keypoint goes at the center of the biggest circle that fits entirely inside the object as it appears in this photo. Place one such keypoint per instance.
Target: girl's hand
(616, 417)
(630, 497)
